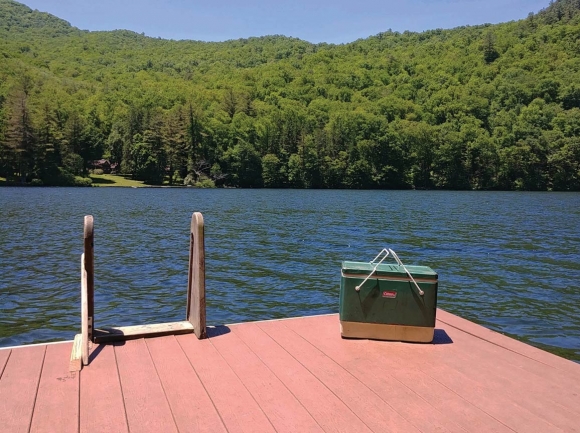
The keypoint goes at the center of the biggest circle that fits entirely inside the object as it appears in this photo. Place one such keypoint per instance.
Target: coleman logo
(389, 294)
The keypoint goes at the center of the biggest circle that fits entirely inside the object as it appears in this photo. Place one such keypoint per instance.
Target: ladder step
(110, 334)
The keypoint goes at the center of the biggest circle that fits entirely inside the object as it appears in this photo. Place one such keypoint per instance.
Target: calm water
(510, 261)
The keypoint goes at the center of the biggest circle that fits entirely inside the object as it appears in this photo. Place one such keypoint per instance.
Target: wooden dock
(294, 375)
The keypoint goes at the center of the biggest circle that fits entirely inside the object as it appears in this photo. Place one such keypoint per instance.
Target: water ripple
(507, 260)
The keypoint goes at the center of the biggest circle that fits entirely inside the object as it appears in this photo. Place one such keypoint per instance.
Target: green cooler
(388, 301)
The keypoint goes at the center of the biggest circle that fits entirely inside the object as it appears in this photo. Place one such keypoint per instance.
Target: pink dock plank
(191, 406)
(358, 358)
(280, 406)
(18, 387)
(499, 376)
(326, 408)
(145, 402)
(102, 408)
(57, 401)
(238, 409)
(464, 379)
(441, 364)
(521, 366)
(505, 410)
(571, 368)
(293, 375)
(4, 355)
(378, 415)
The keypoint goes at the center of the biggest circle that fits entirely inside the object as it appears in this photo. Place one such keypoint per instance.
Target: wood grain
(18, 387)
(57, 401)
(76, 356)
(292, 375)
(532, 352)
(192, 408)
(146, 406)
(4, 355)
(285, 412)
(378, 414)
(89, 260)
(421, 400)
(86, 329)
(102, 408)
(196, 307)
(238, 409)
(440, 365)
(327, 409)
(123, 333)
(557, 404)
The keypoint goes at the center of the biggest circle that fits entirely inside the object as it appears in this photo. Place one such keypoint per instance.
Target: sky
(332, 21)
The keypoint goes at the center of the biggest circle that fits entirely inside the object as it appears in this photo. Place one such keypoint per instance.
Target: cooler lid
(388, 269)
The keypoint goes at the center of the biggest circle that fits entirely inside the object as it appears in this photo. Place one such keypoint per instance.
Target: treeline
(485, 107)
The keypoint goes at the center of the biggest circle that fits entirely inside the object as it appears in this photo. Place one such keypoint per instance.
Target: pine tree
(19, 140)
(490, 53)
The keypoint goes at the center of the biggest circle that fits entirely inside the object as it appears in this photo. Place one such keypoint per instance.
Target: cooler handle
(421, 292)
(385, 253)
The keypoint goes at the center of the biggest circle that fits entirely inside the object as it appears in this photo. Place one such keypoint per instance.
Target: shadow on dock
(441, 337)
(216, 331)
(96, 352)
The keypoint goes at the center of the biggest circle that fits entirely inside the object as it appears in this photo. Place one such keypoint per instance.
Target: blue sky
(333, 21)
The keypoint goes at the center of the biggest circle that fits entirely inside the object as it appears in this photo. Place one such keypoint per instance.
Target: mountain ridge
(475, 107)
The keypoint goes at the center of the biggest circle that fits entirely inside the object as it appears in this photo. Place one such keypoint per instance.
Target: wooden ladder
(195, 312)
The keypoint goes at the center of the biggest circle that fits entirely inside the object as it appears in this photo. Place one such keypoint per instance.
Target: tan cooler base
(378, 331)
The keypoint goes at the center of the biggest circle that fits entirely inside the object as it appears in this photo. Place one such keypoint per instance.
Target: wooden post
(80, 352)
(76, 361)
(196, 277)
(89, 269)
(84, 314)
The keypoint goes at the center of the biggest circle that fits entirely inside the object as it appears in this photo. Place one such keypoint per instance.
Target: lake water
(509, 261)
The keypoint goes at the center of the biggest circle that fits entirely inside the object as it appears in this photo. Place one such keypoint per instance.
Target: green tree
(272, 171)
(476, 107)
(19, 139)
(150, 153)
(421, 141)
(490, 53)
(244, 166)
(175, 141)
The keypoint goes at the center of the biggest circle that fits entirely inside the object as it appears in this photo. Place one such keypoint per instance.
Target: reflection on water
(507, 260)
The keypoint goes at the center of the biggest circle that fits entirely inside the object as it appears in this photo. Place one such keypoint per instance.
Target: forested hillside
(483, 107)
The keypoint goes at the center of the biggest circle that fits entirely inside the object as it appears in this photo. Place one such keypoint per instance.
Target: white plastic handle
(421, 292)
(386, 253)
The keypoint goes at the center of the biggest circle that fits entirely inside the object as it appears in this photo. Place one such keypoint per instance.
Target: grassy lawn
(113, 180)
